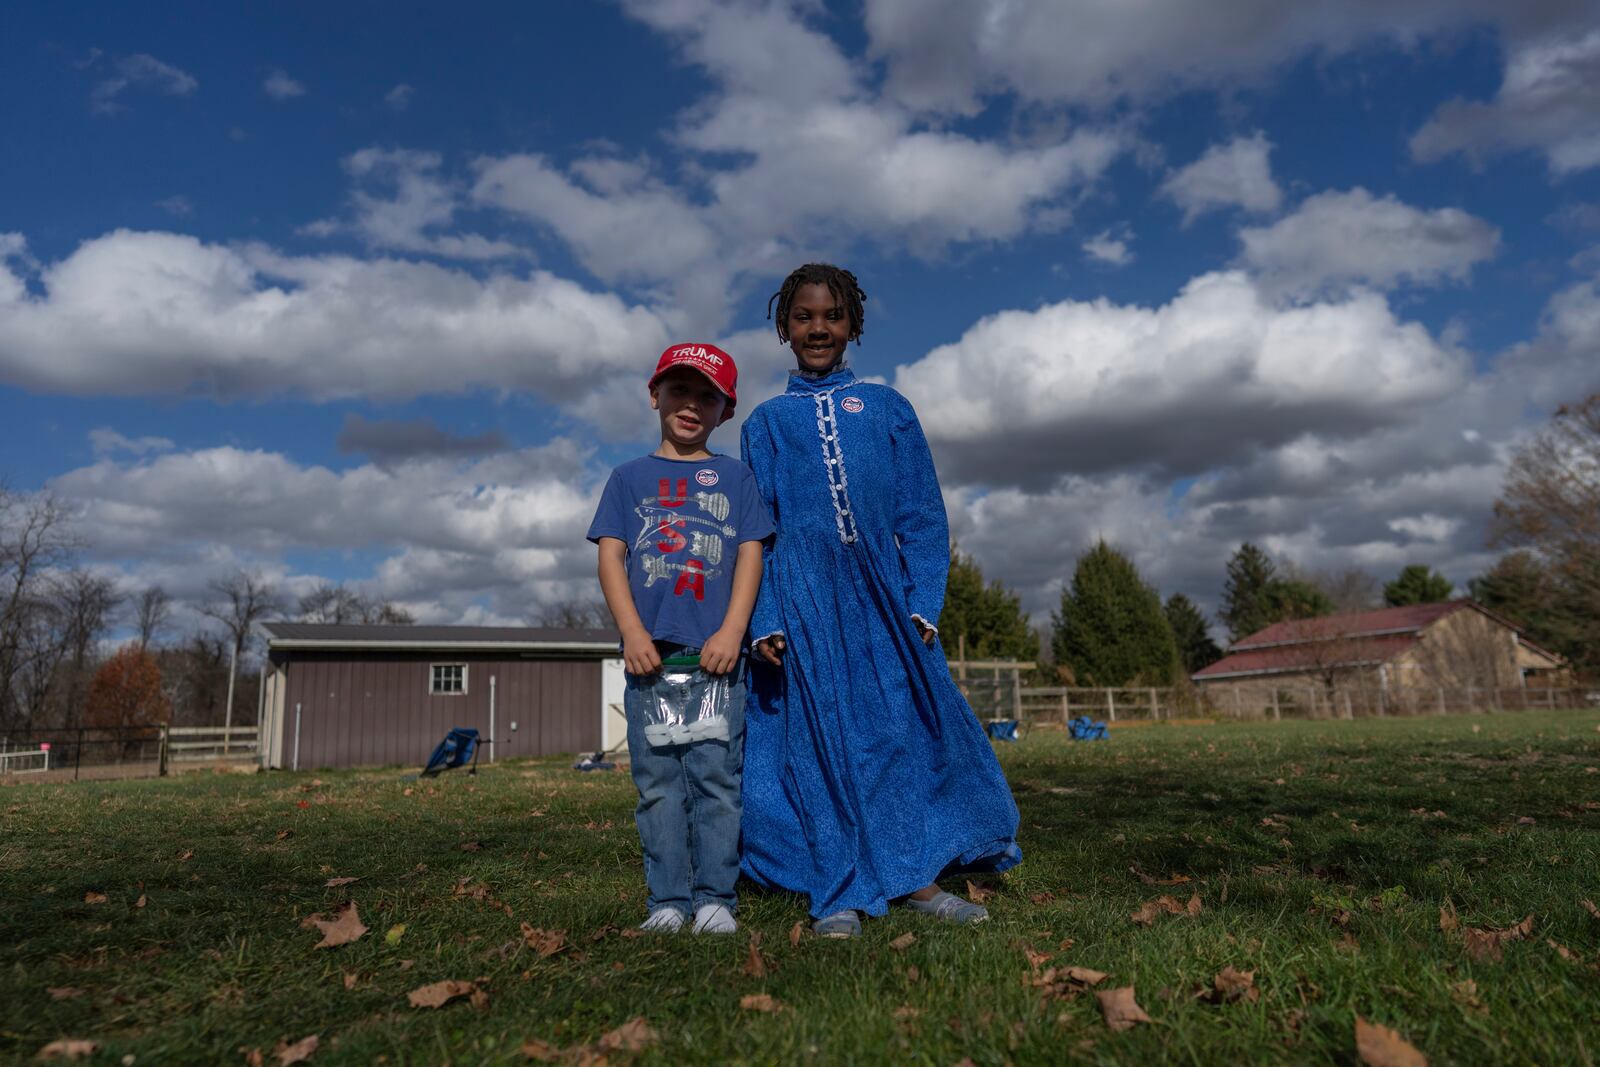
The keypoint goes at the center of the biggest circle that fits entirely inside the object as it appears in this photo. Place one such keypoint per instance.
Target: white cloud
(1336, 239)
(1549, 101)
(401, 201)
(846, 168)
(497, 535)
(142, 314)
(177, 206)
(139, 71)
(280, 86)
(399, 98)
(1091, 387)
(1110, 249)
(1236, 174)
(107, 441)
(945, 55)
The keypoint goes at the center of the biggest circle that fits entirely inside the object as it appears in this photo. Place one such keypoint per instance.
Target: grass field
(1321, 855)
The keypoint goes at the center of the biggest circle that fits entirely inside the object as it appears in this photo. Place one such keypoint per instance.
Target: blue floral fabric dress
(866, 774)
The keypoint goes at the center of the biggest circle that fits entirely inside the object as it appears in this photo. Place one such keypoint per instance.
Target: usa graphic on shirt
(682, 522)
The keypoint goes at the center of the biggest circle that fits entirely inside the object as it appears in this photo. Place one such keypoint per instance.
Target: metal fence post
(77, 761)
(1111, 706)
(162, 771)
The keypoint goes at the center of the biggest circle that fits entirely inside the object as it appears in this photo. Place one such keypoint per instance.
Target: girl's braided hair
(840, 282)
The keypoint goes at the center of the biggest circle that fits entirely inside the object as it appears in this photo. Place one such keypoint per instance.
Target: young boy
(680, 534)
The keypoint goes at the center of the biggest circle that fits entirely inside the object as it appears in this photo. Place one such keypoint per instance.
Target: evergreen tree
(1417, 584)
(1295, 598)
(1189, 630)
(1246, 606)
(1110, 629)
(989, 616)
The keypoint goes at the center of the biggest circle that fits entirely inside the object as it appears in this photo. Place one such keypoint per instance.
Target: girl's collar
(805, 382)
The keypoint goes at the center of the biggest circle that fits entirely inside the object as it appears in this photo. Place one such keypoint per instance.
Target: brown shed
(343, 695)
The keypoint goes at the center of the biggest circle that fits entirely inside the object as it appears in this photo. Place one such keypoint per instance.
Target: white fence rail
(186, 744)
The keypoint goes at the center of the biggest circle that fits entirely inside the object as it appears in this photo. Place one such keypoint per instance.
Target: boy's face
(690, 406)
(818, 327)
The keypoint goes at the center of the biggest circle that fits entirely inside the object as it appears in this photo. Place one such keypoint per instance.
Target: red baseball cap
(709, 360)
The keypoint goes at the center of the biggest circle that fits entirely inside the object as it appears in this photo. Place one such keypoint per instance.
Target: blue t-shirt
(682, 521)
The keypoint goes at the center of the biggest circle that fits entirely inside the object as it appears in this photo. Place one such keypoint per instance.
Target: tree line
(59, 670)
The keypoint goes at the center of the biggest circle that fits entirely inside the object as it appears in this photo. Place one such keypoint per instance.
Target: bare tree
(576, 613)
(154, 609)
(241, 600)
(86, 601)
(1550, 503)
(35, 536)
(338, 604)
(1351, 589)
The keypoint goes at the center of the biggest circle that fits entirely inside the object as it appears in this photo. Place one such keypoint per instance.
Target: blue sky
(369, 295)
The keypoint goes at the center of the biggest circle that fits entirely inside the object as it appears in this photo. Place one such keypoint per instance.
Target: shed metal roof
(317, 635)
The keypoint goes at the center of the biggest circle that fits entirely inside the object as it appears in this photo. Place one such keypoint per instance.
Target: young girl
(867, 777)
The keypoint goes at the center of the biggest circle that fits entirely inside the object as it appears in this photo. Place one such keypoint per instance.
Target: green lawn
(1321, 853)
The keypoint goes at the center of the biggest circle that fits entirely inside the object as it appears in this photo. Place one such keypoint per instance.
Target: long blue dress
(866, 774)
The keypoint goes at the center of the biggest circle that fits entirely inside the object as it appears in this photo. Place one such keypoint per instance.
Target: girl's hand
(639, 653)
(720, 654)
(926, 632)
(771, 650)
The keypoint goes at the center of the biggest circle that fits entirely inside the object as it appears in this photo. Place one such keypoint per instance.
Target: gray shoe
(841, 924)
(951, 908)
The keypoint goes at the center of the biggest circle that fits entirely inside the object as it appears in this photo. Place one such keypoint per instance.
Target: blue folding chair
(458, 746)
(1082, 728)
(1002, 729)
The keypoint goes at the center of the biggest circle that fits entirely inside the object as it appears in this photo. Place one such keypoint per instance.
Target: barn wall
(375, 708)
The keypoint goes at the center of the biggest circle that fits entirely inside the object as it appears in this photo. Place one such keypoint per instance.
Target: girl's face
(818, 327)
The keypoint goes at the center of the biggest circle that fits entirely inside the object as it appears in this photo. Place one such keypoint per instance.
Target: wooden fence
(995, 690)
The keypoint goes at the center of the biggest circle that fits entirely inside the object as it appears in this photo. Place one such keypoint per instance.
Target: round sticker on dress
(852, 404)
(706, 477)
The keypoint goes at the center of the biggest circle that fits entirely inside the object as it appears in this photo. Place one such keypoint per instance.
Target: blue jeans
(689, 807)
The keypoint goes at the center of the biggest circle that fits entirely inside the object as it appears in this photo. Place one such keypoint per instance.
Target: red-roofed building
(1380, 659)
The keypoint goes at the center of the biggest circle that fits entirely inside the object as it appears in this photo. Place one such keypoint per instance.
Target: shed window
(448, 678)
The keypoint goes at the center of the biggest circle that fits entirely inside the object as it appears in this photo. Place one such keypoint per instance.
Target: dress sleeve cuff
(925, 622)
(768, 637)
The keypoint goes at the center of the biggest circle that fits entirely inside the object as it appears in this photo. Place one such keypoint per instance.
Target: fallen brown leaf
(1148, 911)
(142, 901)
(1176, 879)
(903, 942)
(1484, 946)
(92, 897)
(977, 893)
(1035, 959)
(1465, 993)
(1086, 975)
(350, 979)
(253, 1058)
(544, 942)
(298, 1052)
(1447, 918)
(63, 992)
(631, 1036)
(906, 1011)
(1589, 906)
(796, 932)
(471, 846)
(1232, 984)
(68, 1048)
(186, 855)
(438, 994)
(754, 965)
(343, 928)
(1120, 1009)
(759, 1002)
(334, 883)
(1563, 951)
(1379, 1046)
(283, 835)
(913, 974)
(1192, 908)
(543, 1051)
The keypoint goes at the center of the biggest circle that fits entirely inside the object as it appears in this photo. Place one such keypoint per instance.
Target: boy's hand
(720, 653)
(771, 650)
(639, 653)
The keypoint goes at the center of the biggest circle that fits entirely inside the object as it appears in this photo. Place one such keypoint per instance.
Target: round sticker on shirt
(707, 477)
(852, 404)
